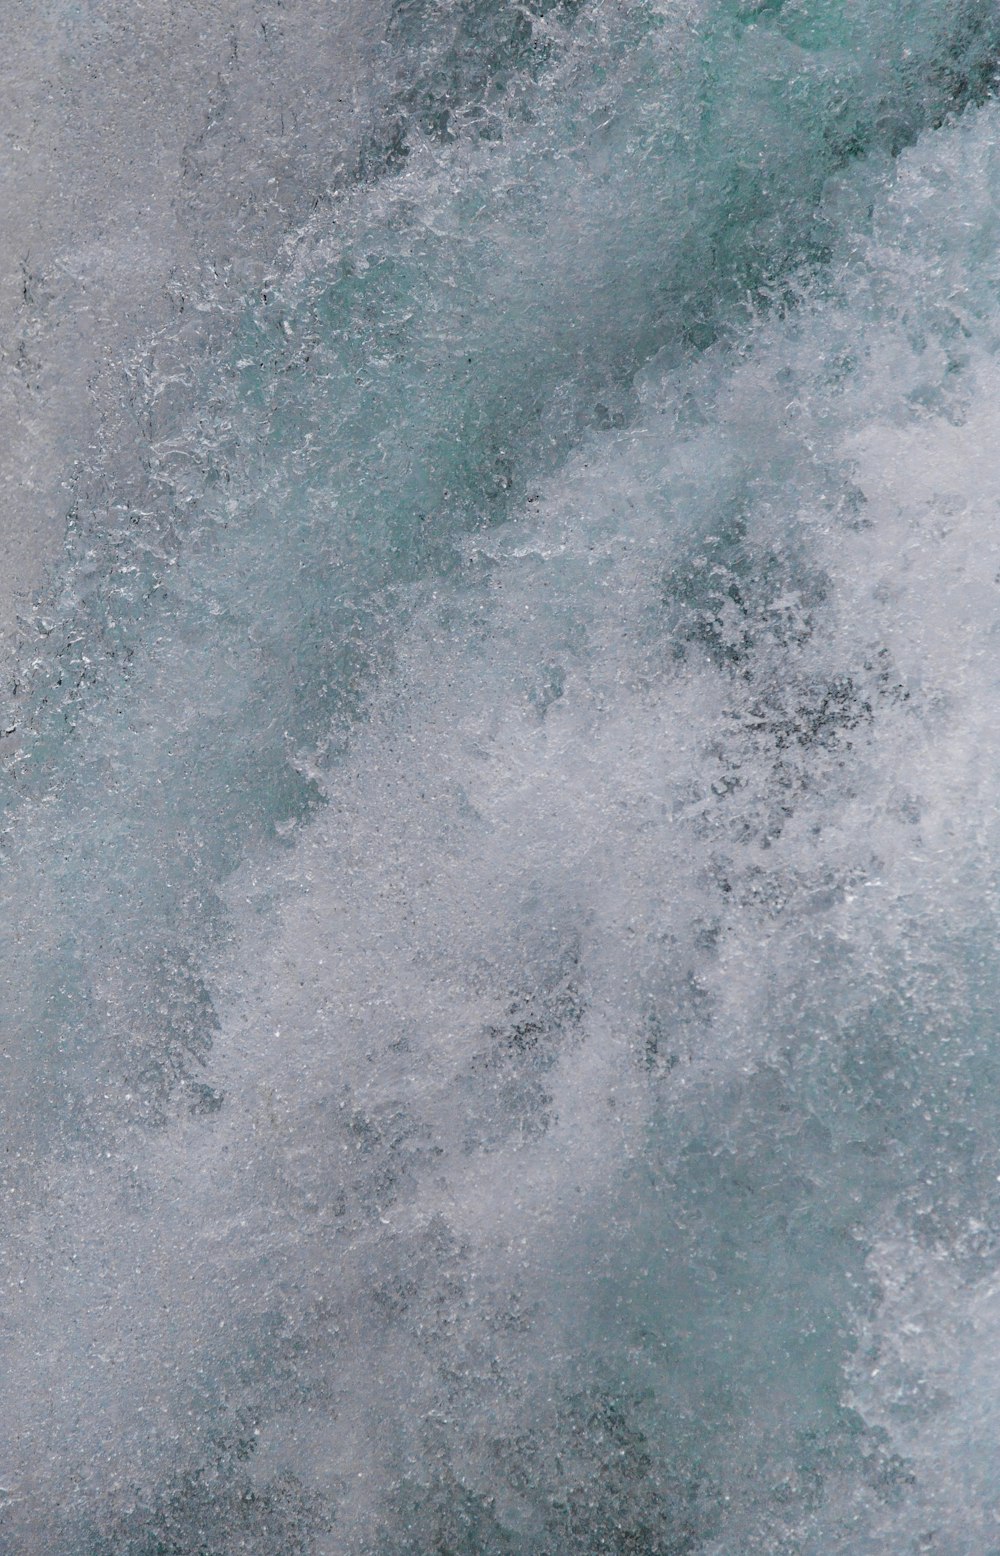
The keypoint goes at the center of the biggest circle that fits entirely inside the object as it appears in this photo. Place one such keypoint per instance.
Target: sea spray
(536, 863)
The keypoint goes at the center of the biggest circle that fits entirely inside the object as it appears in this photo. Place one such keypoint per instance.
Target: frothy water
(500, 829)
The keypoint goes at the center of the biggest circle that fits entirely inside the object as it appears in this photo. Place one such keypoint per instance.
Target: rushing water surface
(500, 829)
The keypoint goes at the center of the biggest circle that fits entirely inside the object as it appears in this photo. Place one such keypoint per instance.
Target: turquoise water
(498, 854)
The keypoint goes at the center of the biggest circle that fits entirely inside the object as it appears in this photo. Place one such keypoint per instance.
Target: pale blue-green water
(500, 834)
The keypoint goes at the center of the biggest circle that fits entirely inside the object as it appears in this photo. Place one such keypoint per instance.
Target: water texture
(499, 830)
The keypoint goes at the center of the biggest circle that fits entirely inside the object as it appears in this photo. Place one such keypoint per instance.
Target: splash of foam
(569, 1059)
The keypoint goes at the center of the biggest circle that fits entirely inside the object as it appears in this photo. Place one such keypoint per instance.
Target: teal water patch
(462, 70)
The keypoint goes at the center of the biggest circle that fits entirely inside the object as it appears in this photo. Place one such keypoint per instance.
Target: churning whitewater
(501, 823)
